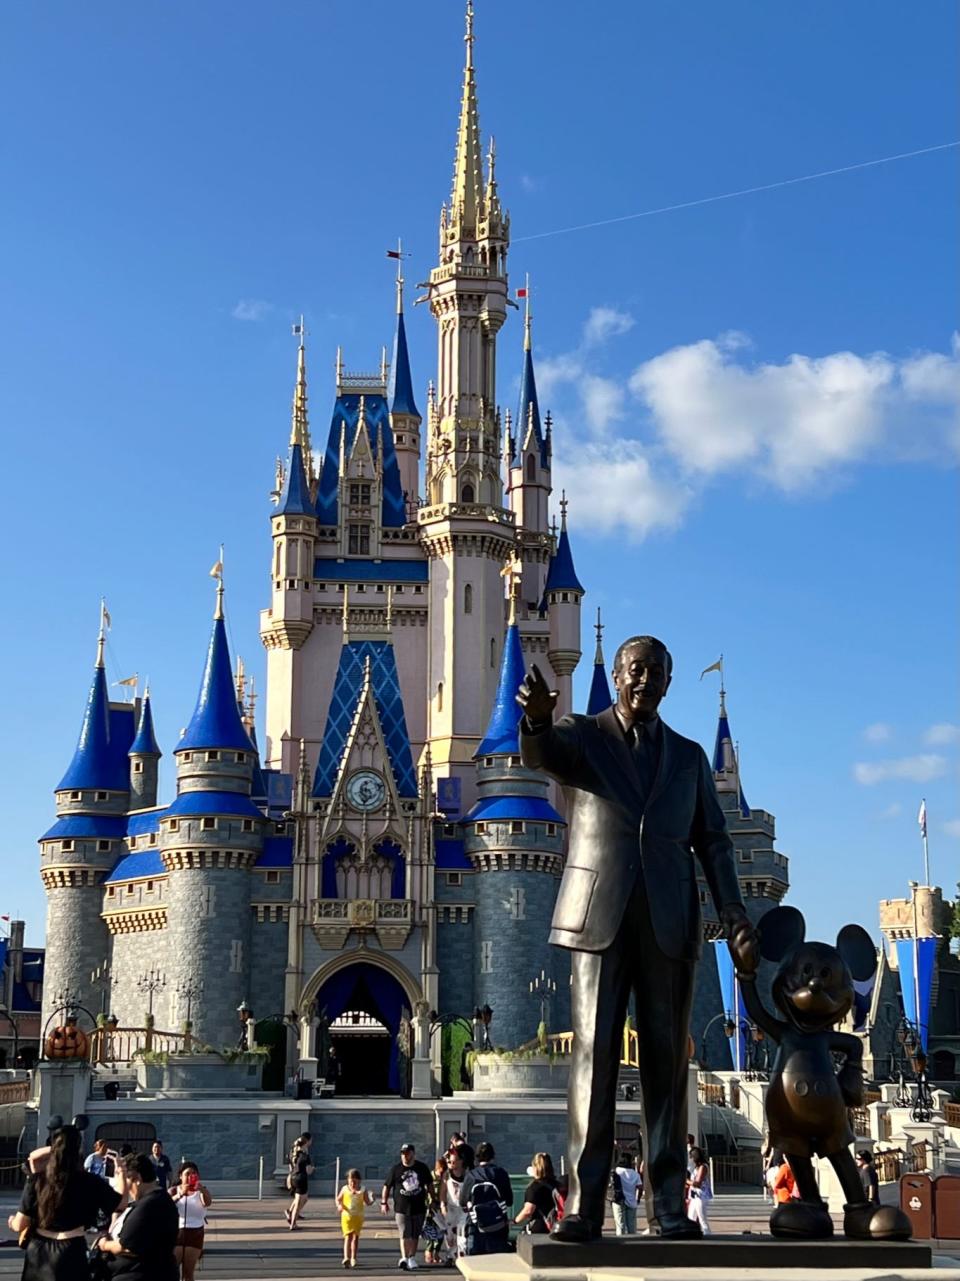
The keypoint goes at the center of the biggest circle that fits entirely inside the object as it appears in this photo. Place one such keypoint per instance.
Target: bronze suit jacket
(615, 831)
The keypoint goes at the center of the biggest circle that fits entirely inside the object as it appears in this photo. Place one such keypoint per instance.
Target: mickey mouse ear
(780, 931)
(55, 1123)
(856, 947)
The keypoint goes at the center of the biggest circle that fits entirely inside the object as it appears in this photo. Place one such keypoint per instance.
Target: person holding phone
(192, 1200)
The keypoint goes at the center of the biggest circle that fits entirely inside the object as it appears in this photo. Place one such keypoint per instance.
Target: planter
(184, 1075)
(520, 1074)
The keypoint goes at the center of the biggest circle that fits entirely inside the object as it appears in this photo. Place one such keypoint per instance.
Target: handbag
(98, 1263)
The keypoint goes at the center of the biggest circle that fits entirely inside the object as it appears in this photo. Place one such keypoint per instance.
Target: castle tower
(600, 697)
(404, 415)
(80, 848)
(464, 528)
(563, 593)
(210, 837)
(514, 839)
(286, 625)
(144, 760)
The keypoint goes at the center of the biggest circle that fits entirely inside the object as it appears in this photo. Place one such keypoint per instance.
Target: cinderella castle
(384, 852)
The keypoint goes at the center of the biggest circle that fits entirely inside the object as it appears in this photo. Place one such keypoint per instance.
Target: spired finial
(513, 573)
(399, 257)
(217, 573)
(346, 612)
(240, 680)
(527, 316)
(102, 633)
(564, 504)
(468, 38)
(299, 426)
(598, 628)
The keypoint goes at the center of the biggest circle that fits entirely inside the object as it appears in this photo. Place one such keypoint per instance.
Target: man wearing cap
(410, 1183)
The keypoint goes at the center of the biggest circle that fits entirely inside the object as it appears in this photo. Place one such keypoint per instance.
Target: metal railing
(561, 1043)
(123, 1044)
(745, 1167)
(951, 1114)
(711, 1092)
(859, 1122)
(14, 1092)
(361, 912)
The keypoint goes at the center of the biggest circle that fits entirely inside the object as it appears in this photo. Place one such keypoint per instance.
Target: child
(352, 1201)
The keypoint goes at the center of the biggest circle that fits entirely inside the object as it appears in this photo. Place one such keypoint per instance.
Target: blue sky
(756, 398)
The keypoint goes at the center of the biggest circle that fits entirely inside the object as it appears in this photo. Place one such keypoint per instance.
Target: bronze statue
(807, 1100)
(641, 803)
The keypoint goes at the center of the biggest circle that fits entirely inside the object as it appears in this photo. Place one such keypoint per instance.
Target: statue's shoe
(677, 1227)
(876, 1223)
(573, 1227)
(804, 1220)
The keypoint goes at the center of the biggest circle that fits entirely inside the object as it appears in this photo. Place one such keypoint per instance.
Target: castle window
(467, 494)
(111, 892)
(241, 758)
(380, 587)
(213, 756)
(551, 829)
(76, 796)
(468, 599)
(418, 590)
(745, 856)
(360, 587)
(103, 847)
(454, 878)
(280, 828)
(488, 762)
(101, 796)
(703, 896)
(486, 957)
(358, 540)
(138, 767)
(564, 596)
(531, 469)
(449, 829)
(360, 494)
(149, 887)
(440, 697)
(481, 829)
(188, 756)
(208, 824)
(517, 828)
(248, 824)
(515, 760)
(129, 888)
(153, 838)
(66, 847)
(174, 825)
(133, 842)
(273, 877)
(493, 651)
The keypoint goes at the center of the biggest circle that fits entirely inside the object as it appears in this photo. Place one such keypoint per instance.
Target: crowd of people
(148, 1225)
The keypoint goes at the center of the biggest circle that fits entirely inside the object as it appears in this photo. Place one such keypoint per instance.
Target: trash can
(916, 1201)
(946, 1207)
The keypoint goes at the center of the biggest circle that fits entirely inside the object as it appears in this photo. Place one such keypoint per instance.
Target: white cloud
(942, 735)
(602, 401)
(251, 309)
(604, 323)
(614, 485)
(951, 827)
(892, 811)
(878, 732)
(529, 183)
(797, 422)
(915, 769)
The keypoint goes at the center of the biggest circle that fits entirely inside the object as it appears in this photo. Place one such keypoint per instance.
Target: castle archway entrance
(362, 1008)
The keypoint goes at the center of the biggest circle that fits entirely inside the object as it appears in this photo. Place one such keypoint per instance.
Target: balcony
(391, 920)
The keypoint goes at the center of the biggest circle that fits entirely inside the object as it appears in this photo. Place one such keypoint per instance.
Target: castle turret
(404, 415)
(144, 760)
(514, 839)
(210, 837)
(528, 477)
(78, 851)
(600, 697)
(563, 593)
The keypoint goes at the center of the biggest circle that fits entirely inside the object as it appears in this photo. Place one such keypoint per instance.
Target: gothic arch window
(440, 697)
(468, 599)
(493, 651)
(531, 469)
(276, 566)
(467, 493)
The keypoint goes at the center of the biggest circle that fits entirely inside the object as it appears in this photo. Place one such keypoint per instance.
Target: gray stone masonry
(144, 772)
(269, 958)
(224, 1145)
(133, 955)
(77, 942)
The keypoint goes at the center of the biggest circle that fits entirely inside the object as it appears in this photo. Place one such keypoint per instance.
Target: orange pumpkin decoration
(68, 1042)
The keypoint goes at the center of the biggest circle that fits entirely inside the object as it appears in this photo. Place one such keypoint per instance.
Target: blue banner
(916, 981)
(862, 996)
(732, 1004)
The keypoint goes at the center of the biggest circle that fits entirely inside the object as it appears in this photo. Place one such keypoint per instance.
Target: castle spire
(726, 765)
(467, 198)
(300, 427)
(95, 763)
(501, 738)
(600, 697)
(529, 428)
(216, 721)
(400, 388)
(145, 742)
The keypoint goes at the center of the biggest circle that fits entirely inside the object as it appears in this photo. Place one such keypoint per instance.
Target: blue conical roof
(145, 742)
(400, 390)
(295, 495)
(724, 736)
(561, 575)
(600, 697)
(95, 764)
(216, 718)
(502, 736)
(530, 406)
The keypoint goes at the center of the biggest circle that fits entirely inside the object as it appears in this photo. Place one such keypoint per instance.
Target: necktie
(644, 755)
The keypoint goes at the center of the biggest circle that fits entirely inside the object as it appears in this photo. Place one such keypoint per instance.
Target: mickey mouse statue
(807, 1099)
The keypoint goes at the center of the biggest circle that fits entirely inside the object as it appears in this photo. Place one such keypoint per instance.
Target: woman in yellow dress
(352, 1201)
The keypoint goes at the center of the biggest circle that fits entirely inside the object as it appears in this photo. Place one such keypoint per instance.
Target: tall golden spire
(300, 427)
(467, 198)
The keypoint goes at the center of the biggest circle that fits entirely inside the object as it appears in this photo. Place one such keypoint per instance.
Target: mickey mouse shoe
(875, 1223)
(801, 1220)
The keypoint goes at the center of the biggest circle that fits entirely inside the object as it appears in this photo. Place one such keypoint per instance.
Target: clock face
(365, 790)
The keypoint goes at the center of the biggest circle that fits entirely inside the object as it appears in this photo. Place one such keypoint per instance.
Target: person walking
(59, 1202)
(869, 1177)
(101, 1160)
(701, 1194)
(783, 1182)
(352, 1201)
(625, 1209)
(192, 1200)
(410, 1184)
(539, 1210)
(433, 1228)
(487, 1197)
(162, 1164)
(143, 1249)
(459, 1163)
(298, 1179)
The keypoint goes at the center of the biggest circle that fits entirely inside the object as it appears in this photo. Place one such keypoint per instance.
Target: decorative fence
(124, 1044)
(561, 1043)
(951, 1114)
(743, 1167)
(14, 1092)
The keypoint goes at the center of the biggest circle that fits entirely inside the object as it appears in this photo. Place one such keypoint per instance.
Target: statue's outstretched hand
(741, 939)
(537, 698)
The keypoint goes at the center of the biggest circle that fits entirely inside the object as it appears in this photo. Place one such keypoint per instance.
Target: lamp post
(482, 1017)
(152, 982)
(189, 990)
(100, 977)
(543, 988)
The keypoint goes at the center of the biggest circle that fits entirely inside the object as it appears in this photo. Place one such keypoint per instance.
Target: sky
(755, 398)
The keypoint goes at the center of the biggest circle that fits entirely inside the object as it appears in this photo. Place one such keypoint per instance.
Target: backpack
(615, 1189)
(485, 1208)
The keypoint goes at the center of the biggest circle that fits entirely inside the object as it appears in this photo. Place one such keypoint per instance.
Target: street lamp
(543, 988)
(481, 1027)
(189, 990)
(151, 982)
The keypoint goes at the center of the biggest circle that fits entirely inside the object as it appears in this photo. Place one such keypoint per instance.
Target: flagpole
(926, 847)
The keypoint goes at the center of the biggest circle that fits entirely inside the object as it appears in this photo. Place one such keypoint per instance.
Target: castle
(386, 852)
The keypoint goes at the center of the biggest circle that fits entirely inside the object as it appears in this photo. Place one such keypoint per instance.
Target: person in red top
(783, 1183)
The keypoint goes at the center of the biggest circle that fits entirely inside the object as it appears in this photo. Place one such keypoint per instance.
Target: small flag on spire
(395, 253)
(217, 570)
(130, 681)
(297, 329)
(714, 667)
(105, 615)
(922, 819)
(523, 293)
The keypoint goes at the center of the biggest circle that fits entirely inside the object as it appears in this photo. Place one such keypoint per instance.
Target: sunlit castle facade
(384, 853)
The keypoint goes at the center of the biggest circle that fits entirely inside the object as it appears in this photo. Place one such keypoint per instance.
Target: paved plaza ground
(248, 1239)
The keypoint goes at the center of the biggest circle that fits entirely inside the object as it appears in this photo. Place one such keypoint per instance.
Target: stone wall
(511, 928)
(224, 1145)
(76, 944)
(133, 955)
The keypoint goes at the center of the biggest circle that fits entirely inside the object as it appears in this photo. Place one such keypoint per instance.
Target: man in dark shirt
(161, 1163)
(485, 1172)
(410, 1183)
(869, 1177)
(148, 1237)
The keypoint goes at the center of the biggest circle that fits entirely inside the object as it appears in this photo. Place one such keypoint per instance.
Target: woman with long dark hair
(60, 1201)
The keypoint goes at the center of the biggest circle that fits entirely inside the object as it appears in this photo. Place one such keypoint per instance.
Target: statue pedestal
(63, 1087)
(539, 1258)
(421, 1079)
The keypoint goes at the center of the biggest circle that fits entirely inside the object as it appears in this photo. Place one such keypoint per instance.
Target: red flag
(394, 253)
(522, 293)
